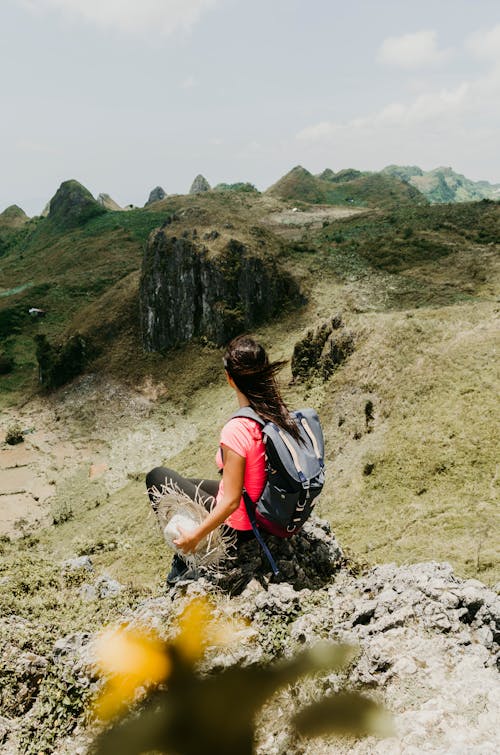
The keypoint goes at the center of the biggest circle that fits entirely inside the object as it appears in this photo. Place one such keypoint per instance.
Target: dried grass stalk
(171, 501)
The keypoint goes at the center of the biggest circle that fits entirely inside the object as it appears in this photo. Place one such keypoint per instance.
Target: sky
(125, 95)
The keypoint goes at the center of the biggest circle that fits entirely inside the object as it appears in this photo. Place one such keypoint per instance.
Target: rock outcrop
(109, 203)
(345, 188)
(322, 350)
(156, 195)
(13, 217)
(307, 561)
(199, 185)
(188, 291)
(443, 185)
(73, 205)
(428, 648)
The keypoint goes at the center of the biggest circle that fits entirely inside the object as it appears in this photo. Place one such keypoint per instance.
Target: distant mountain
(443, 184)
(347, 174)
(73, 205)
(348, 187)
(13, 217)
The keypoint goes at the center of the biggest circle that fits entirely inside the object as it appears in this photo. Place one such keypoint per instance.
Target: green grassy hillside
(443, 185)
(347, 187)
(408, 418)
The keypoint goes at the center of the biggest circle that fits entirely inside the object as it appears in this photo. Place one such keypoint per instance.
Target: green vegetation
(412, 467)
(346, 188)
(443, 185)
(242, 186)
(72, 206)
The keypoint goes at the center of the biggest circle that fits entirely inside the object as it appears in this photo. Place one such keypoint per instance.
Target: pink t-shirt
(244, 437)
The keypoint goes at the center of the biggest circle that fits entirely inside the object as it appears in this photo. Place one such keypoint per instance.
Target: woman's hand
(234, 472)
(187, 542)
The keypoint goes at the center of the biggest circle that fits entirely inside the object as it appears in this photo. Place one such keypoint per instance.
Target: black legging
(195, 488)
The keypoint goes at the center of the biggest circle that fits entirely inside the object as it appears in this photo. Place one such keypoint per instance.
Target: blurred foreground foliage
(184, 711)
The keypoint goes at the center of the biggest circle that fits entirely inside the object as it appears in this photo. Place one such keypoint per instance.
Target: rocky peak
(72, 205)
(108, 203)
(13, 217)
(199, 185)
(156, 195)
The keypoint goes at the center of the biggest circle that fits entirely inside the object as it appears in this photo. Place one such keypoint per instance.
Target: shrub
(62, 511)
(14, 435)
(59, 364)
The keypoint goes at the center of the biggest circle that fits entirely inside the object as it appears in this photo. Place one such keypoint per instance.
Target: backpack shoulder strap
(249, 413)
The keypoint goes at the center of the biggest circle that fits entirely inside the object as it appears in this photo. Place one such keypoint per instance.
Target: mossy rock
(73, 205)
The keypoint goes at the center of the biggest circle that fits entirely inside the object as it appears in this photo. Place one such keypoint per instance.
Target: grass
(421, 305)
(369, 190)
(412, 458)
(431, 493)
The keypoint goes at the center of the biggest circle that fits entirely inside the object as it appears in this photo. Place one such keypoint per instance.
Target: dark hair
(247, 363)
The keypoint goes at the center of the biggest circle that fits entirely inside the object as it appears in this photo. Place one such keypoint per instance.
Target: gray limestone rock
(109, 203)
(185, 292)
(107, 587)
(78, 563)
(75, 570)
(429, 658)
(156, 195)
(199, 185)
(308, 560)
(103, 587)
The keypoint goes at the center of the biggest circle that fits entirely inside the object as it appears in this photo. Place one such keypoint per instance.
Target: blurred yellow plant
(199, 628)
(133, 658)
(213, 713)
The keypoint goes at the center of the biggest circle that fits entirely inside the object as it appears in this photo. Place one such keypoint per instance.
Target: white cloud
(412, 50)
(426, 108)
(130, 16)
(455, 125)
(486, 43)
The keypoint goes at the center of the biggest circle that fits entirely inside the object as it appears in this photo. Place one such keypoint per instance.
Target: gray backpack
(295, 474)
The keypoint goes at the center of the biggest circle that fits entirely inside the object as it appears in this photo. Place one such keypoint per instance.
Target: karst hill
(384, 301)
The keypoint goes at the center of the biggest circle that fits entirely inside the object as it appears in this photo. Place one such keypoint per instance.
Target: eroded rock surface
(187, 292)
(155, 195)
(199, 185)
(322, 349)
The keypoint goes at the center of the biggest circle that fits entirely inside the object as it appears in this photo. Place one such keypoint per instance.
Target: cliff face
(186, 292)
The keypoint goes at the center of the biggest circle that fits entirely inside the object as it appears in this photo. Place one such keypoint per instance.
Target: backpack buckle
(303, 479)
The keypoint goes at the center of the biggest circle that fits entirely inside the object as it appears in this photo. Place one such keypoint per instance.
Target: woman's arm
(233, 475)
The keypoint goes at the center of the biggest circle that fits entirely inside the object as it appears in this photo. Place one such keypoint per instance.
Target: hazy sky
(127, 94)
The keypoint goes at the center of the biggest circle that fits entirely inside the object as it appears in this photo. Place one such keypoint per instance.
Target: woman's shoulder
(242, 429)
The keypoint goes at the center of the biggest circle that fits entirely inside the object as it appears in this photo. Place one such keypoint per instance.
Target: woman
(241, 455)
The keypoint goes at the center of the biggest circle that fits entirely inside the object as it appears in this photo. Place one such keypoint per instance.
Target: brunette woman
(240, 457)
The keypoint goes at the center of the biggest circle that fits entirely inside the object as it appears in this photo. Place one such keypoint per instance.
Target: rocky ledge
(428, 647)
